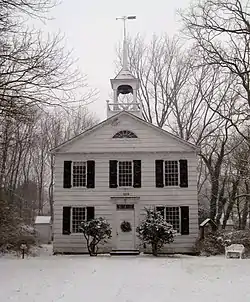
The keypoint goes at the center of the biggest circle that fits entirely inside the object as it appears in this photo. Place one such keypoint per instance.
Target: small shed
(43, 227)
(206, 227)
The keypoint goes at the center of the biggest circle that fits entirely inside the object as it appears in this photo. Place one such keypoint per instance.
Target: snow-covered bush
(154, 230)
(210, 245)
(214, 243)
(13, 232)
(95, 231)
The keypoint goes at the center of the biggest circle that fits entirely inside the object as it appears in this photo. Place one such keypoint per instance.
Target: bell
(124, 89)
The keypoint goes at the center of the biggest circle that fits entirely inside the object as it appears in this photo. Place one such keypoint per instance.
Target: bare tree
(221, 31)
(35, 70)
(176, 94)
(191, 117)
(238, 183)
(55, 127)
(213, 155)
(162, 70)
(36, 73)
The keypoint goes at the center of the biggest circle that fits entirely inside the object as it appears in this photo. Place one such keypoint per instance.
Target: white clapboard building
(117, 169)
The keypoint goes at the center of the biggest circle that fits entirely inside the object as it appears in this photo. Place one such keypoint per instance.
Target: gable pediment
(144, 138)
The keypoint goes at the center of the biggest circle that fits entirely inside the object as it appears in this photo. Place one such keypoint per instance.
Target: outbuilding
(206, 227)
(43, 227)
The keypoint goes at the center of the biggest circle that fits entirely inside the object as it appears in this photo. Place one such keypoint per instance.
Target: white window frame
(164, 173)
(72, 174)
(179, 211)
(71, 218)
(118, 173)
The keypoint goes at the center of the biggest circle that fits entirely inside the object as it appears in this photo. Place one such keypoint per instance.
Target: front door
(125, 227)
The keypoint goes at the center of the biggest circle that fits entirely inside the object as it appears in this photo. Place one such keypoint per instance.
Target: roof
(42, 219)
(124, 112)
(124, 75)
(206, 221)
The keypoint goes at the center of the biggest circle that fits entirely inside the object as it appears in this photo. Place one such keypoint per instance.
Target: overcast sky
(93, 33)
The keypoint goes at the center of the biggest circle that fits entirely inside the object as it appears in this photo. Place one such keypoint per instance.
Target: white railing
(135, 107)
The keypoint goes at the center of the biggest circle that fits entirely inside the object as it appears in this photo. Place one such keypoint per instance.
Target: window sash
(79, 174)
(171, 173)
(172, 215)
(78, 215)
(125, 175)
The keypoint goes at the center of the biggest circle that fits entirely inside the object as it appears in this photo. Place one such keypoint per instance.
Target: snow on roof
(42, 219)
(205, 222)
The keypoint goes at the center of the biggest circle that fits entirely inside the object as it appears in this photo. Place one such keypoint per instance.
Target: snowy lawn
(124, 279)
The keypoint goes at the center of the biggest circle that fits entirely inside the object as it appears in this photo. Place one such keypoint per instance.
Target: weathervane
(125, 18)
(125, 54)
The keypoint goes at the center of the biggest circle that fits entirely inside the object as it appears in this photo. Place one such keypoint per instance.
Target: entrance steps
(124, 252)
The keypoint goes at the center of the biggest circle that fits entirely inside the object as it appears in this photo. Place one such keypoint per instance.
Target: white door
(125, 240)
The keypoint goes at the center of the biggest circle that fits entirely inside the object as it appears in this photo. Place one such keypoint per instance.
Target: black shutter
(183, 173)
(67, 174)
(137, 173)
(90, 174)
(184, 220)
(113, 173)
(160, 209)
(90, 213)
(66, 220)
(159, 174)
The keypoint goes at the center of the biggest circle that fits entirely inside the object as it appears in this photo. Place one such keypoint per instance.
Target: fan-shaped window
(125, 134)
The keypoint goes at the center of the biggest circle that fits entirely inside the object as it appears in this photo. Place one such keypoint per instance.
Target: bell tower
(125, 86)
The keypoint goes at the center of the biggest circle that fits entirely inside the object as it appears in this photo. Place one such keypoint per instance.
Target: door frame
(124, 200)
(119, 233)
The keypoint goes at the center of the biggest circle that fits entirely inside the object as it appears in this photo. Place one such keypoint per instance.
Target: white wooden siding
(99, 197)
(149, 139)
(44, 232)
(99, 145)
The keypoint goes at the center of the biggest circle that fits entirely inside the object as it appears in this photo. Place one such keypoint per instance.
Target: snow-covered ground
(124, 279)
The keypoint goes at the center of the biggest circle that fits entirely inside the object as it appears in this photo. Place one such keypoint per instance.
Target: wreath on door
(126, 226)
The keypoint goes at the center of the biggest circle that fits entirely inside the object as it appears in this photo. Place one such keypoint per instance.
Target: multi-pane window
(171, 173)
(125, 206)
(125, 175)
(78, 216)
(79, 174)
(171, 215)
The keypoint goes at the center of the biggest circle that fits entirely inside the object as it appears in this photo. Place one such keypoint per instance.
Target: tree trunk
(239, 213)
(4, 148)
(221, 203)
(245, 214)
(246, 208)
(154, 249)
(93, 248)
(214, 198)
(231, 203)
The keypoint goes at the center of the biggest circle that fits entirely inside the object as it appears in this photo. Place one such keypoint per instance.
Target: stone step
(124, 252)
